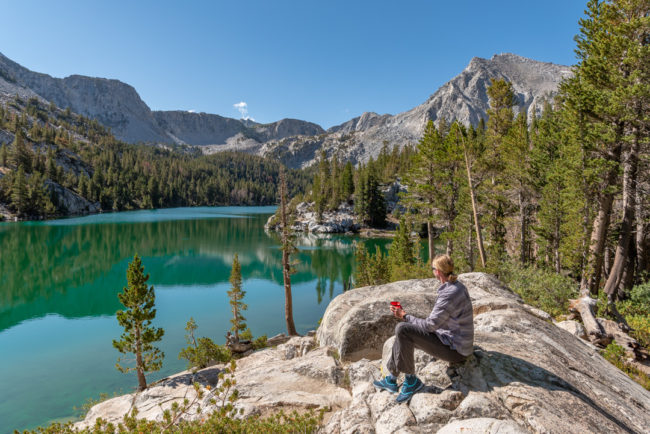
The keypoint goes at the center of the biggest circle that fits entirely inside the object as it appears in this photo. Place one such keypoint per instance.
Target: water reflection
(76, 267)
(59, 281)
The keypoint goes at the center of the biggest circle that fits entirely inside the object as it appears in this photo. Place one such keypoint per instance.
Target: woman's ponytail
(445, 265)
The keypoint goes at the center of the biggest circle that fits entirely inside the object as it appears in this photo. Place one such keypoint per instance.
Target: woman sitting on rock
(447, 334)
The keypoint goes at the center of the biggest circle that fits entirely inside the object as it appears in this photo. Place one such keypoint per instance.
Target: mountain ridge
(297, 143)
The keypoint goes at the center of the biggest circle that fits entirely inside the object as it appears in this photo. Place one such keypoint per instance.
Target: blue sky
(321, 61)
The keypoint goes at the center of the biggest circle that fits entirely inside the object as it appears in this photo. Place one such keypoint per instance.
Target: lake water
(58, 296)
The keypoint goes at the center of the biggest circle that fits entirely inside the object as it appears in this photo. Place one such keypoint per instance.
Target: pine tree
(287, 250)
(626, 32)
(472, 148)
(370, 269)
(236, 295)
(420, 180)
(547, 171)
(22, 156)
(369, 202)
(500, 120)
(37, 193)
(138, 299)
(402, 251)
(608, 95)
(50, 166)
(19, 194)
(434, 181)
(4, 155)
(347, 181)
(516, 159)
(376, 202)
(200, 352)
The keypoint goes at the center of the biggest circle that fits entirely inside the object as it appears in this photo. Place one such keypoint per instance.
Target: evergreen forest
(60, 163)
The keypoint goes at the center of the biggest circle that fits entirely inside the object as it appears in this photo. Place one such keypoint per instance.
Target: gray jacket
(451, 318)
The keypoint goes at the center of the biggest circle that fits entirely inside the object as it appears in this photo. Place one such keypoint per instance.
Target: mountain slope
(297, 143)
(118, 106)
(114, 104)
(464, 98)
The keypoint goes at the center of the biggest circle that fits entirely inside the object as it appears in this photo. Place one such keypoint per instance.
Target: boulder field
(526, 374)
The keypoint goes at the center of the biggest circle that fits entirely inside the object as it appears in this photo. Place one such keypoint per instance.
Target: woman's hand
(399, 313)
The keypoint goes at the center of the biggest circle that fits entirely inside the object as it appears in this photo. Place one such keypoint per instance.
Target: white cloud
(242, 107)
(191, 111)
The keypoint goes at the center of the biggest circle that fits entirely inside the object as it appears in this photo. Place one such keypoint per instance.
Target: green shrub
(615, 354)
(543, 289)
(638, 301)
(202, 351)
(378, 269)
(260, 343)
(370, 269)
(640, 325)
(225, 419)
(635, 309)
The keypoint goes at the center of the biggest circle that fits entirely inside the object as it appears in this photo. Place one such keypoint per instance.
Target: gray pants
(407, 338)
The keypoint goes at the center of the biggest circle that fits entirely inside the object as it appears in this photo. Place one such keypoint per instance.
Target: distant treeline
(56, 147)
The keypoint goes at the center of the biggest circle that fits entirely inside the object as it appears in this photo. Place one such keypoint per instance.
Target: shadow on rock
(492, 371)
(205, 377)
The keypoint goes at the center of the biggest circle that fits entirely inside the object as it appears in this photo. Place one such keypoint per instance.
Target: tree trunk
(522, 228)
(607, 261)
(556, 246)
(586, 217)
(470, 248)
(235, 315)
(477, 225)
(432, 247)
(288, 299)
(630, 165)
(642, 240)
(139, 365)
(601, 224)
(286, 265)
(629, 271)
(585, 307)
(619, 332)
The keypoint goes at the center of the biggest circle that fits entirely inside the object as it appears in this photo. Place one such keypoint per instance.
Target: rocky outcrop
(392, 195)
(338, 221)
(221, 133)
(293, 376)
(201, 129)
(286, 128)
(342, 220)
(358, 322)
(70, 201)
(526, 375)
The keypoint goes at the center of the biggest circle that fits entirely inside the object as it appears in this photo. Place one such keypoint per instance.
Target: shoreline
(11, 218)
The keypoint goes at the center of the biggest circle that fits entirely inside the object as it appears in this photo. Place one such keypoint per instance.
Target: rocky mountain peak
(464, 98)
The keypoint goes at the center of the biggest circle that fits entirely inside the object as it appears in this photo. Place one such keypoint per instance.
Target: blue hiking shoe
(410, 386)
(387, 383)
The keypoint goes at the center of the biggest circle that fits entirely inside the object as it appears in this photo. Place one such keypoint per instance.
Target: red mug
(396, 304)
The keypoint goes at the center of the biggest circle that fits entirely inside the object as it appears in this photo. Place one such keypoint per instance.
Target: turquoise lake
(59, 281)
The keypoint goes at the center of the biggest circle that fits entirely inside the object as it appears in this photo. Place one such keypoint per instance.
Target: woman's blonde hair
(445, 265)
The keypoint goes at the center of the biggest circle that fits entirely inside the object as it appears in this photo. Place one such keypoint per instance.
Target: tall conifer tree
(138, 300)
(236, 295)
(287, 250)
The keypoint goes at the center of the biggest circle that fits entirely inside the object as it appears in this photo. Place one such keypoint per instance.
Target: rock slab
(526, 374)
